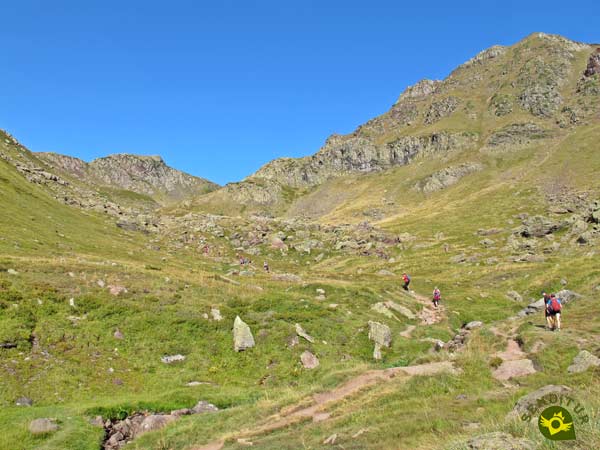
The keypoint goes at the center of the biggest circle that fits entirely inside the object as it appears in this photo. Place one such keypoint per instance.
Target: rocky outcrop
(446, 177)
(146, 175)
(423, 88)
(516, 135)
(354, 154)
(440, 109)
(485, 55)
(120, 432)
(593, 66)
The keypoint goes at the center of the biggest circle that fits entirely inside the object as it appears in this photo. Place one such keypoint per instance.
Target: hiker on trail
(546, 313)
(437, 296)
(266, 266)
(554, 307)
(406, 280)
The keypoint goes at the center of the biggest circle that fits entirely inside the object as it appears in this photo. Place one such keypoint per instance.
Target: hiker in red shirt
(406, 280)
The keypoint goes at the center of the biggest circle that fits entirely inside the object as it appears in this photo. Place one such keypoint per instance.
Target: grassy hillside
(88, 309)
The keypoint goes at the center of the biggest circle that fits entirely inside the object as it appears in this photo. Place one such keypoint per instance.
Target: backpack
(406, 279)
(555, 305)
(437, 294)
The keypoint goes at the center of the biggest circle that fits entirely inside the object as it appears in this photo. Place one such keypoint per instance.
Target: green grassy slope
(69, 363)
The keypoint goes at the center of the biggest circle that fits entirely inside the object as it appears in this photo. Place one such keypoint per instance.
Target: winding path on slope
(314, 412)
(319, 402)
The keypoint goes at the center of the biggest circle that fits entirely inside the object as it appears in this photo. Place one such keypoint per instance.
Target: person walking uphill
(406, 280)
(546, 313)
(554, 308)
(437, 296)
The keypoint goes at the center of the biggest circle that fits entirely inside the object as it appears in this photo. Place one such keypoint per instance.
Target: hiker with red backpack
(437, 296)
(406, 280)
(554, 308)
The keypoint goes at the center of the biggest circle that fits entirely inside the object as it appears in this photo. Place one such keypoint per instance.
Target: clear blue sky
(219, 88)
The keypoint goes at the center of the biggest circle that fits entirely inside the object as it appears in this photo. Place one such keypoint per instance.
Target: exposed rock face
(517, 134)
(485, 55)
(356, 154)
(147, 175)
(593, 66)
(419, 90)
(242, 336)
(440, 109)
(447, 177)
(583, 361)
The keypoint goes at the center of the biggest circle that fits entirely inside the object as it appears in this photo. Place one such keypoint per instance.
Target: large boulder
(42, 426)
(532, 308)
(242, 336)
(154, 422)
(528, 406)
(566, 295)
(583, 361)
(381, 335)
(472, 325)
(309, 361)
(539, 226)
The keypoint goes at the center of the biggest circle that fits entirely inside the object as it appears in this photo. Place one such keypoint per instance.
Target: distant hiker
(266, 266)
(437, 296)
(554, 308)
(406, 280)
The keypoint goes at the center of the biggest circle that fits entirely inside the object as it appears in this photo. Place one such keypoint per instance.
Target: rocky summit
(142, 307)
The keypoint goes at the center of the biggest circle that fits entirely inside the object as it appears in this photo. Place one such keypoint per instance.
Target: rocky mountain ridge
(146, 175)
(542, 83)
